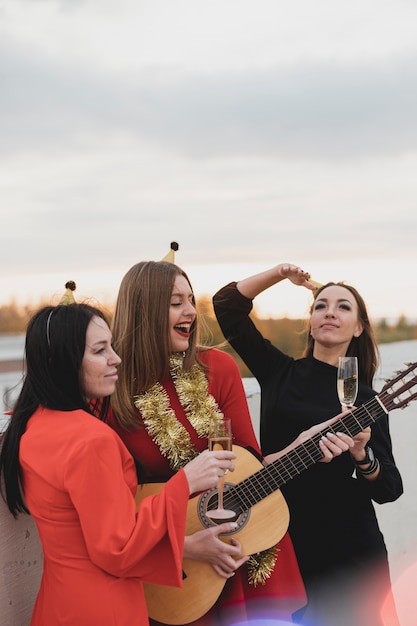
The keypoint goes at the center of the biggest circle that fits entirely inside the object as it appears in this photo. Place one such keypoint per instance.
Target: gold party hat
(68, 297)
(170, 257)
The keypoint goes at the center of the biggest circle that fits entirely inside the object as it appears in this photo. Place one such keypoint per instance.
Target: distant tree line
(14, 318)
(289, 335)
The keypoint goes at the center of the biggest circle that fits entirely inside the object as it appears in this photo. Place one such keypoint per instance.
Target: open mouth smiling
(183, 329)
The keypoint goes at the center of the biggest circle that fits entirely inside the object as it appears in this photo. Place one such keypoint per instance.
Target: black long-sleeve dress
(333, 525)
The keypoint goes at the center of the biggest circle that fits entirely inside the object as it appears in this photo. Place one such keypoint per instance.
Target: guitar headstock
(396, 393)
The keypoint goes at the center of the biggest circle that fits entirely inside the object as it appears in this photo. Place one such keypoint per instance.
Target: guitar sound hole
(212, 504)
(209, 500)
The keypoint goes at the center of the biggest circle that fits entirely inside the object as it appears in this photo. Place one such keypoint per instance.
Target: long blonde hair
(140, 330)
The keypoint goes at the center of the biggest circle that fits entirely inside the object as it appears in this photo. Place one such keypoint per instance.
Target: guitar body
(259, 528)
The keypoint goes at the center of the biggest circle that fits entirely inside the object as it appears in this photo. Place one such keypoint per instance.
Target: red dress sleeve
(118, 539)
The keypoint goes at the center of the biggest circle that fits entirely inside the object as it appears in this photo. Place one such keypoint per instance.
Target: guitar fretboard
(255, 488)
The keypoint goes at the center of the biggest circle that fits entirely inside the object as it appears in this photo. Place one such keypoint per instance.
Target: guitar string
(261, 484)
(254, 488)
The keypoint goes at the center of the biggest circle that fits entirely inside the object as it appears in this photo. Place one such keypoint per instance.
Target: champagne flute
(220, 438)
(347, 381)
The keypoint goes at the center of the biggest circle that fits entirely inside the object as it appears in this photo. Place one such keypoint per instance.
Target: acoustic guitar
(260, 511)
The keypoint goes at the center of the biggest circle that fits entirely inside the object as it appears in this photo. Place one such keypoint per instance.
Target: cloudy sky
(251, 132)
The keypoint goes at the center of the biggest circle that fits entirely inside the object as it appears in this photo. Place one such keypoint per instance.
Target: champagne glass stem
(220, 488)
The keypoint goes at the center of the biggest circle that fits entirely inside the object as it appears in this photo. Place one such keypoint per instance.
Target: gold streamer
(160, 421)
(261, 565)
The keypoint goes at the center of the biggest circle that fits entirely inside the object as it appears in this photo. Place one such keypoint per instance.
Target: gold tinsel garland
(174, 440)
(160, 421)
(261, 565)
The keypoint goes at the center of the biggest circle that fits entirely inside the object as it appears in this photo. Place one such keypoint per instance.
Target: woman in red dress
(169, 385)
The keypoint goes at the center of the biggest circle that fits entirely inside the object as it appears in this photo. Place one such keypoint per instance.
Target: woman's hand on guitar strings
(331, 445)
(205, 545)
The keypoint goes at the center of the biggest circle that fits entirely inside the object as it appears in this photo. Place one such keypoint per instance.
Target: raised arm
(253, 285)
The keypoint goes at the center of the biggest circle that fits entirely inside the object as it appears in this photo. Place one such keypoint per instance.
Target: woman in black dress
(338, 543)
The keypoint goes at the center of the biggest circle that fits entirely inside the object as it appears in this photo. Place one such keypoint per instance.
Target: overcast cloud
(251, 132)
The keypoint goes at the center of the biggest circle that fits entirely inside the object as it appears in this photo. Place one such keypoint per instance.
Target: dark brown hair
(364, 347)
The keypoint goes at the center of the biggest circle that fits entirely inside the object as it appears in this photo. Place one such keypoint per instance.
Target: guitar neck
(255, 488)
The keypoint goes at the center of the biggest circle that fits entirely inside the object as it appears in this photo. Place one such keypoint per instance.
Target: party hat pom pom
(68, 297)
(170, 257)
